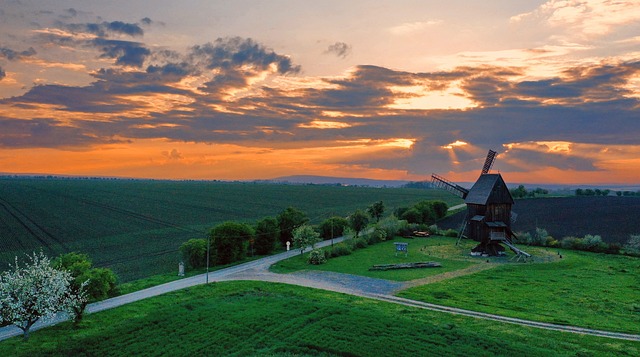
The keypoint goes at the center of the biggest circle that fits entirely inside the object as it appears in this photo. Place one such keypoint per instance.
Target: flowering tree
(33, 291)
(305, 236)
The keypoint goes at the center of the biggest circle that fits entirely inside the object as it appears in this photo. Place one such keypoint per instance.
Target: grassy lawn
(583, 289)
(255, 318)
(437, 249)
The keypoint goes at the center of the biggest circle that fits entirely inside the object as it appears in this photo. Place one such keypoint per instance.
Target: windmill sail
(441, 182)
(491, 156)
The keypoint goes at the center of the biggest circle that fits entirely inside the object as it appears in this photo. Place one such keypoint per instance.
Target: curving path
(349, 284)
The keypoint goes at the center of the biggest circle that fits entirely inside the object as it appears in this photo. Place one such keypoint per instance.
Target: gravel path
(349, 284)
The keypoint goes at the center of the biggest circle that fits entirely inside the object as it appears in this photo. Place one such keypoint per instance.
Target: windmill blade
(488, 162)
(514, 217)
(441, 182)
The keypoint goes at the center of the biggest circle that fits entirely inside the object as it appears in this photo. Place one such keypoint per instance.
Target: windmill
(489, 216)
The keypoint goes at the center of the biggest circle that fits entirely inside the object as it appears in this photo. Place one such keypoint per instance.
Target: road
(349, 284)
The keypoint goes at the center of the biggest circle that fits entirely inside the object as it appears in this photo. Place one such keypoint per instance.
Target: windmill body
(489, 216)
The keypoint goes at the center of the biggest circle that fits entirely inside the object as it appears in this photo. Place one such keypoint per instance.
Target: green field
(583, 289)
(135, 227)
(266, 319)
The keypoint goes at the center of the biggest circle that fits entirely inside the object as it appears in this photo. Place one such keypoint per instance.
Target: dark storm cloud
(106, 29)
(126, 53)
(339, 49)
(12, 55)
(2, 73)
(542, 158)
(46, 133)
(236, 51)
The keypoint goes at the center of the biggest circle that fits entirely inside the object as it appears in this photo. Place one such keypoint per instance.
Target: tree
(96, 283)
(194, 252)
(288, 220)
(34, 291)
(519, 192)
(358, 221)
(440, 209)
(333, 227)
(305, 236)
(228, 241)
(376, 210)
(267, 232)
(632, 247)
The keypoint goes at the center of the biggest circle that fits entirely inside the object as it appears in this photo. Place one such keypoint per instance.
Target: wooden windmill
(489, 216)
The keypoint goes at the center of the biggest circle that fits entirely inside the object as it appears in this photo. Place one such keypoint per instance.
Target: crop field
(612, 218)
(571, 288)
(136, 227)
(268, 319)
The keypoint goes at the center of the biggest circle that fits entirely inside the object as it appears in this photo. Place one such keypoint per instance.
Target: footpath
(344, 283)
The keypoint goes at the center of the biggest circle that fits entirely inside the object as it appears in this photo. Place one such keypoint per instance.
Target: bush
(571, 243)
(360, 243)
(228, 241)
(378, 235)
(194, 252)
(339, 250)
(450, 233)
(391, 226)
(632, 247)
(317, 257)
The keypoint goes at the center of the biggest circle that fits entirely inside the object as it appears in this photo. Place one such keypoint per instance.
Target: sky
(391, 90)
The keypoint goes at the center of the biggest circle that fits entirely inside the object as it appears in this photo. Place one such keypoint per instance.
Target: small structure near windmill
(489, 216)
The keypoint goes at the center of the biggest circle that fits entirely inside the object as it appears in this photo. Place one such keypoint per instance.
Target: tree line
(232, 241)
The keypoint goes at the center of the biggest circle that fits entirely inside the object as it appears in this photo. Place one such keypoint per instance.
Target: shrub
(378, 235)
(450, 233)
(593, 243)
(194, 252)
(571, 243)
(317, 257)
(392, 226)
(228, 241)
(339, 250)
(632, 247)
(360, 243)
(540, 238)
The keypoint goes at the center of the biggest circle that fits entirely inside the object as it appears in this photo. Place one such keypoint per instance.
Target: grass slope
(254, 318)
(136, 227)
(583, 289)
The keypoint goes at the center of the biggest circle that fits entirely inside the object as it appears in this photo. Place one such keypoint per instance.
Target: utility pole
(208, 247)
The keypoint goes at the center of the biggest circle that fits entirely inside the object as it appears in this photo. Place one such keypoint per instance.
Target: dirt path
(451, 274)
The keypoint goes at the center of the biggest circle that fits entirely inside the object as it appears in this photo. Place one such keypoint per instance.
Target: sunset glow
(410, 88)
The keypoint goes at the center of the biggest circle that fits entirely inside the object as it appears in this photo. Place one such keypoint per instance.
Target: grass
(255, 318)
(136, 227)
(359, 262)
(583, 289)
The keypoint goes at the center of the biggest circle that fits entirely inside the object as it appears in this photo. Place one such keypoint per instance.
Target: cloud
(174, 154)
(12, 55)
(583, 19)
(126, 53)
(106, 29)
(146, 21)
(339, 49)
(2, 73)
(410, 28)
